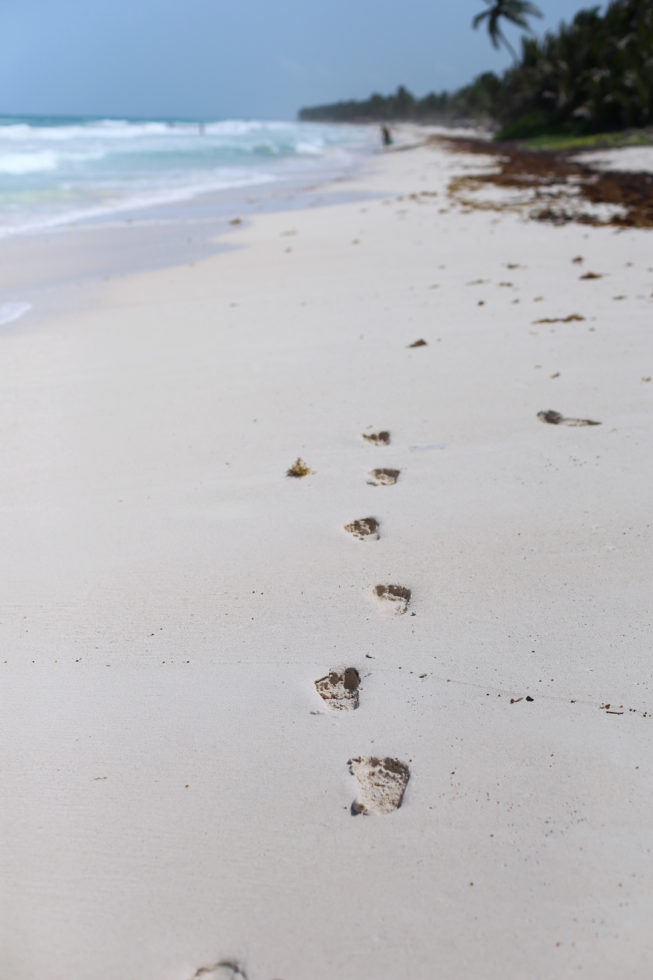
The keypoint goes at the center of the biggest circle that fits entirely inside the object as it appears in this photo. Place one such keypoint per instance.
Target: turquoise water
(58, 171)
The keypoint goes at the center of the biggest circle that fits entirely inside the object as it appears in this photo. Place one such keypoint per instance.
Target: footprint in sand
(381, 784)
(383, 477)
(555, 418)
(340, 689)
(393, 599)
(365, 528)
(377, 438)
(224, 970)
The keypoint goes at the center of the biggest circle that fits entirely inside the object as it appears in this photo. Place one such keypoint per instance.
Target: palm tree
(513, 11)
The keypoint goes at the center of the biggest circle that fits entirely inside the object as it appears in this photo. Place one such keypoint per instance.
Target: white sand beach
(177, 799)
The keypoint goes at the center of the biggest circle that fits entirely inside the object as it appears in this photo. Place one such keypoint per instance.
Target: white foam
(54, 175)
(12, 311)
(104, 128)
(310, 147)
(241, 127)
(27, 163)
(132, 202)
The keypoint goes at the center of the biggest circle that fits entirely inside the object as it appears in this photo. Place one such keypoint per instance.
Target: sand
(627, 158)
(179, 800)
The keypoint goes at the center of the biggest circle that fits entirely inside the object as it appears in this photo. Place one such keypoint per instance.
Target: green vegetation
(597, 141)
(476, 101)
(401, 105)
(515, 12)
(592, 76)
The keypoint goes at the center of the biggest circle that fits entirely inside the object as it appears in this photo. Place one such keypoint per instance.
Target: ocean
(56, 171)
(73, 176)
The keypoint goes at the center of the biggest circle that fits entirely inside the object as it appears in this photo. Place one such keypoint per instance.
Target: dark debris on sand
(557, 418)
(543, 170)
(299, 469)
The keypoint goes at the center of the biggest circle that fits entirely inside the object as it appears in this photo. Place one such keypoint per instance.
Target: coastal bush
(592, 75)
(533, 124)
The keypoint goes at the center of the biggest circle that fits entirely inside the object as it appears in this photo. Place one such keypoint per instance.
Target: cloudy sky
(237, 58)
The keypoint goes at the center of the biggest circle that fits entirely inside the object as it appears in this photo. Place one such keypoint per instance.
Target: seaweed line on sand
(559, 186)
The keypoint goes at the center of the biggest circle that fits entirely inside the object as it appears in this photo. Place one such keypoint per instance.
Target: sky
(247, 59)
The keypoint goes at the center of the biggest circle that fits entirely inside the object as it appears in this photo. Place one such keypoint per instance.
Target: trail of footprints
(381, 781)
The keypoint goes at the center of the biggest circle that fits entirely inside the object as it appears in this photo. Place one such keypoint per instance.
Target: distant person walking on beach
(386, 136)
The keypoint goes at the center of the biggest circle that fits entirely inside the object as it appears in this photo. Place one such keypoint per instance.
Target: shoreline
(47, 266)
(178, 793)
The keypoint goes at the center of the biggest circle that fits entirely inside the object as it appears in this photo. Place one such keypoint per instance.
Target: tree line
(591, 75)
(402, 105)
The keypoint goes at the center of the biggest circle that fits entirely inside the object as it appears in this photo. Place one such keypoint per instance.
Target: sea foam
(57, 172)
